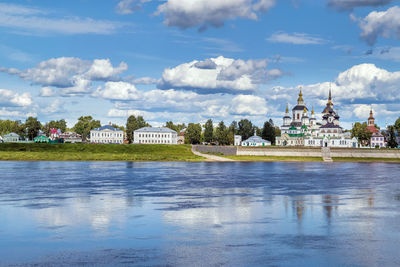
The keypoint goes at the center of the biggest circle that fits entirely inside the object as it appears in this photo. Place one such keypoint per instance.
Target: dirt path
(211, 157)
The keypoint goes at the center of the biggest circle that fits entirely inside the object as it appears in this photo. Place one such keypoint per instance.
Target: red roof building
(377, 139)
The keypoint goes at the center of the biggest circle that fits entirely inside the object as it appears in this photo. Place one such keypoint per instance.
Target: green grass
(273, 158)
(96, 152)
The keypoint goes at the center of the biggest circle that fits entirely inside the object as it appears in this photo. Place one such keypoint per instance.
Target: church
(302, 130)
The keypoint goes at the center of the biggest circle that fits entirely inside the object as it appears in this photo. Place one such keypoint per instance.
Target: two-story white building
(107, 135)
(153, 135)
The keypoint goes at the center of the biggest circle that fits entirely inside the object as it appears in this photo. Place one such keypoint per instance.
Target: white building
(256, 141)
(237, 140)
(299, 130)
(107, 135)
(152, 135)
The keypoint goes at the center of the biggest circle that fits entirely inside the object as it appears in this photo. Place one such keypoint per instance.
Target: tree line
(224, 135)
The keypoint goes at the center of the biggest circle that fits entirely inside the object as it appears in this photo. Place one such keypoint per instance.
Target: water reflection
(182, 213)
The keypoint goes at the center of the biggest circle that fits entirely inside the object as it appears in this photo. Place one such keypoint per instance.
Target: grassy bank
(96, 152)
(273, 158)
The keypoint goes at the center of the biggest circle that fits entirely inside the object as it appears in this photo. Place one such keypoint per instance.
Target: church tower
(371, 119)
(298, 111)
(286, 118)
(313, 121)
(305, 119)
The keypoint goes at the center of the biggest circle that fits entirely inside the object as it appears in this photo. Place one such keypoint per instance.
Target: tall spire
(330, 96)
(300, 100)
(312, 110)
(287, 108)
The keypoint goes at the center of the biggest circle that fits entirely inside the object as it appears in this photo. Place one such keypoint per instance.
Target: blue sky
(191, 60)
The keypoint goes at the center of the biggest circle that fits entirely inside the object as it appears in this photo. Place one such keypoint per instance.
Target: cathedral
(302, 130)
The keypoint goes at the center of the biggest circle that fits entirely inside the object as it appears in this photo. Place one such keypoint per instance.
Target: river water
(199, 214)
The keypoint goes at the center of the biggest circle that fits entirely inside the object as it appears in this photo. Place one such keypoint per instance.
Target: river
(199, 214)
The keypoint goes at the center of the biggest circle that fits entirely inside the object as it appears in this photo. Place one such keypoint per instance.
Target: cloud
(46, 92)
(384, 24)
(28, 20)
(55, 106)
(13, 99)
(72, 75)
(216, 75)
(364, 83)
(203, 13)
(248, 105)
(7, 114)
(350, 4)
(117, 91)
(102, 69)
(126, 7)
(295, 38)
(146, 80)
(386, 53)
(362, 111)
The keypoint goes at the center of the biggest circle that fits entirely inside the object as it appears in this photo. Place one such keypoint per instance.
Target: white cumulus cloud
(11, 98)
(117, 91)
(222, 75)
(380, 23)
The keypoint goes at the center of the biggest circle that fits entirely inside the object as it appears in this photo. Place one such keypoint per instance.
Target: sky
(194, 60)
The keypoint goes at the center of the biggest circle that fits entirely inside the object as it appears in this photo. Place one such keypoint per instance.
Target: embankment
(339, 154)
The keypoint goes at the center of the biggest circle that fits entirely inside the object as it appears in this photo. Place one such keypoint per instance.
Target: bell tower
(371, 119)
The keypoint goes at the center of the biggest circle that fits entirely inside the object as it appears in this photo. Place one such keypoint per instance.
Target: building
(237, 140)
(181, 137)
(300, 130)
(377, 139)
(11, 138)
(153, 135)
(41, 139)
(256, 141)
(107, 135)
(71, 137)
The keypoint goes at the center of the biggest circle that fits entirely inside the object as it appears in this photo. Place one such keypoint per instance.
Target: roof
(107, 127)
(11, 135)
(372, 129)
(330, 125)
(256, 139)
(155, 130)
(300, 107)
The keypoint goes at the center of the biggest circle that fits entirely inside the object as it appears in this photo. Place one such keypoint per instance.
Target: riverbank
(96, 152)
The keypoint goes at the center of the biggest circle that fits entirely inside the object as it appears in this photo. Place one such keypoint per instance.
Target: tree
(9, 126)
(85, 125)
(221, 134)
(246, 129)
(133, 124)
(176, 127)
(233, 128)
(193, 134)
(32, 126)
(361, 132)
(392, 143)
(268, 132)
(61, 124)
(209, 131)
(397, 125)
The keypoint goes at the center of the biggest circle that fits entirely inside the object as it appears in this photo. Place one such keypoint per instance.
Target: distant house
(71, 137)
(41, 139)
(152, 135)
(256, 141)
(12, 138)
(181, 137)
(55, 134)
(107, 135)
